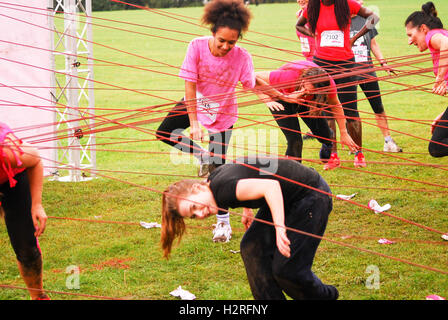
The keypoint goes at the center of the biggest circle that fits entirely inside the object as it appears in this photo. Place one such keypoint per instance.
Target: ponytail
(426, 16)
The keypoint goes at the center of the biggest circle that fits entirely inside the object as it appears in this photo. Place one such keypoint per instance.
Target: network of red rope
(120, 118)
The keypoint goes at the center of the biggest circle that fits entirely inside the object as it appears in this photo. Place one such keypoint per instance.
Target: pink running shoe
(333, 163)
(360, 161)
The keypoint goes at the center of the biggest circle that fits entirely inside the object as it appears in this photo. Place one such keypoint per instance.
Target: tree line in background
(106, 5)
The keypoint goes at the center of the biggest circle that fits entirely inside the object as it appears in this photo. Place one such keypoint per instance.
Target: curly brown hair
(321, 82)
(232, 14)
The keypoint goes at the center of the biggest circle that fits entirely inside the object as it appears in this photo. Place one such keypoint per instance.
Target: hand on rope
(39, 219)
(247, 217)
(196, 132)
(388, 69)
(348, 141)
(439, 87)
(275, 106)
(296, 96)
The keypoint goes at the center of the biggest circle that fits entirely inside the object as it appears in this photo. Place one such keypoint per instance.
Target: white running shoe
(203, 170)
(222, 232)
(391, 146)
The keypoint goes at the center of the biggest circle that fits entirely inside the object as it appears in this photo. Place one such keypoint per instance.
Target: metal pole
(71, 46)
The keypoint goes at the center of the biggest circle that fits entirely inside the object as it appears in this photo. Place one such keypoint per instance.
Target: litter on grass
(149, 225)
(344, 197)
(385, 241)
(373, 204)
(183, 294)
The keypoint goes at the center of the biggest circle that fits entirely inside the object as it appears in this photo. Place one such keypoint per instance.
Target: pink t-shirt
(289, 73)
(435, 54)
(332, 43)
(6, 171)
(307, 43)
(216, 79)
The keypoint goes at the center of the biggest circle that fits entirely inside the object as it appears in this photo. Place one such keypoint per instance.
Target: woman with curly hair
(212, 68)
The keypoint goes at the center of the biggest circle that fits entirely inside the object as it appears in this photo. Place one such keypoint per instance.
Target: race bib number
(207, 107)
(360, 51)
(304, 44)
(332, 38)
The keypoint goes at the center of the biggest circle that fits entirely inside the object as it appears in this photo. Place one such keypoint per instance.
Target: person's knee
(437, 151)
(294, 148)
(351, 114)
(162, 134)
(30, 258)
(247, 248)
(285, 275)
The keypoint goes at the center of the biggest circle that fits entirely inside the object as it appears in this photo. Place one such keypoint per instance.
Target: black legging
(170, 132)
(371, 89)
(268, 271)
(16, 203)
(347, 95)
(290, 127)
(440, 134)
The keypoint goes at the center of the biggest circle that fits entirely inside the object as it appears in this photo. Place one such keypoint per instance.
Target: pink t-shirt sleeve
(189, 69)
(247, 77)
(305, 13)
(435, 54)
(289, 73)
(284, 80)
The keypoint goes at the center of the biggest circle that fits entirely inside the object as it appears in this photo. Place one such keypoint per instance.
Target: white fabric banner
(25, 73)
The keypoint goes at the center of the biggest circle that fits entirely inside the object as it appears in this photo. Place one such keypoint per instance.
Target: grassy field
(125, 261)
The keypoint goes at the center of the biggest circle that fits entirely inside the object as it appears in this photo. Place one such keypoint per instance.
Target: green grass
(118, 260)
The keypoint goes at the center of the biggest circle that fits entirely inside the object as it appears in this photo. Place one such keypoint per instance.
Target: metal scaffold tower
(73, 92)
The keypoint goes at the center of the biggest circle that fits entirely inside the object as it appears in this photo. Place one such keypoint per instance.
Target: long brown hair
(321, 82)
(341, 11)
(173, 224)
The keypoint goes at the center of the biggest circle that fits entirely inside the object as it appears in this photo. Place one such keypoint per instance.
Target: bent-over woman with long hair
(277, 261)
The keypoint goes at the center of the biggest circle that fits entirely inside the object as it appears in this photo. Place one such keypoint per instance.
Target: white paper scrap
(344, 197)
(149, 225)
(183, 294)
(385, 241)
(434, 297)
(377, 208)
(445, 236)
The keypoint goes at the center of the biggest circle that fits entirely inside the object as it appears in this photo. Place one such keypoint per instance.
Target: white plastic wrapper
(373, 204)
(149, 225)
(385, 241)
(344, 197)
(183, 294)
